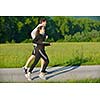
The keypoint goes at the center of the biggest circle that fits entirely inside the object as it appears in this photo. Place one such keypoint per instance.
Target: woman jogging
(33, 35)
(40, 52)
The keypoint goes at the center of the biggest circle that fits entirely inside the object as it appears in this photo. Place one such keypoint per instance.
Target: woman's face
(44, 23)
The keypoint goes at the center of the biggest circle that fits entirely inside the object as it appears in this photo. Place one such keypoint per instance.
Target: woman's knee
(47, 61)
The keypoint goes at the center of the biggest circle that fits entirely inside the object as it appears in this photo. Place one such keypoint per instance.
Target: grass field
(74, 81)
(96, 80)
(60, 54)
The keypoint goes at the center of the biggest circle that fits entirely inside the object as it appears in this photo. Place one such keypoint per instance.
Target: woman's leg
(45, 65)
(37, 58)
(29, 61)
(46, 62)
(45, 58)
(42, 63)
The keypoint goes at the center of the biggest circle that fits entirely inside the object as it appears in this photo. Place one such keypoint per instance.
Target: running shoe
(42, 76)
(45, 72)
(25, 70)
(29, 76)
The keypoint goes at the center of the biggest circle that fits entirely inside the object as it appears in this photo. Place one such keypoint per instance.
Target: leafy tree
(59, 28)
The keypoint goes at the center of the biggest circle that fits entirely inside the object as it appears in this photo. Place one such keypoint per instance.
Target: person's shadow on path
(62, 70)
(59, 71)
(71, 65)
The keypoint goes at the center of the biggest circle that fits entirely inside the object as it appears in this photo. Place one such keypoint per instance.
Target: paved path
(55, 74)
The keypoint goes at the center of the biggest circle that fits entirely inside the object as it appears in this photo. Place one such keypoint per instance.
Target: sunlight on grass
(85, 53)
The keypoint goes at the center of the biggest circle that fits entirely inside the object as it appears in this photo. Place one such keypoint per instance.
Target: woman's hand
(46, 36)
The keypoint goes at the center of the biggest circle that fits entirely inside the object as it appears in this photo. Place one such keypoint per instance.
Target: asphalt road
(56, 74)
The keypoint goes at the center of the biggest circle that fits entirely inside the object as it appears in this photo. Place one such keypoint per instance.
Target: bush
(12, 41)
(27, 41)
(50, 40)
(60, 40)
(67, 38)
(93, 36)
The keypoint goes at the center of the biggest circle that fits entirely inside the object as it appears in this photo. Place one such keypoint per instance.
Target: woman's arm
(46, 43)
(33, 33)
(37, 40)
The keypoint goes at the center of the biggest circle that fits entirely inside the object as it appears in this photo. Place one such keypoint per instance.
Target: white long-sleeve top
(33, 33)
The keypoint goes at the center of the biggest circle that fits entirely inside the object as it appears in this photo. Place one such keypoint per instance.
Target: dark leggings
(40, 54)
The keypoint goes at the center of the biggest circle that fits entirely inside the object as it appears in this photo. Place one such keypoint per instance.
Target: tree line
(59, 28)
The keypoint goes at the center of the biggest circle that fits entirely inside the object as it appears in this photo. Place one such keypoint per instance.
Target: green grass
(96, 80)
(73, 53)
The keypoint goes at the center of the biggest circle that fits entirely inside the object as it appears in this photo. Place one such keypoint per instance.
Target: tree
(18, 28)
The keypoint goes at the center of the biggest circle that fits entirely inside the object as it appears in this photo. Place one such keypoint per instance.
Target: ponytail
(38, 30)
